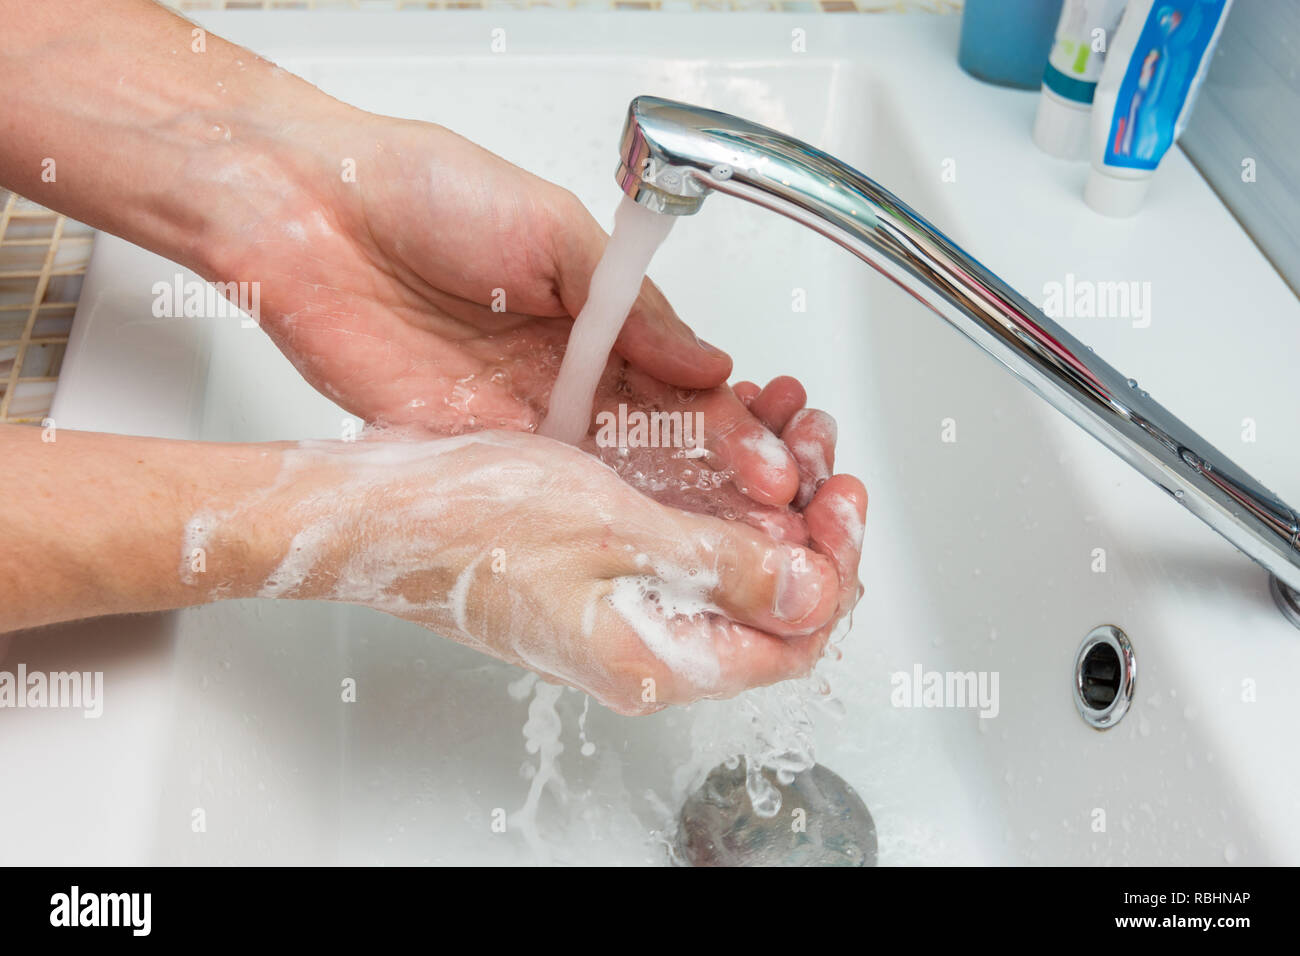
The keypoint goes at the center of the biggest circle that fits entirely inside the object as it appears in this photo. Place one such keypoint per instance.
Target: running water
(774, 726)
(638, 232)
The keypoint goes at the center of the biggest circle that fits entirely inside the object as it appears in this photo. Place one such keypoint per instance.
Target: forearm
(116, 114)
(103, 529)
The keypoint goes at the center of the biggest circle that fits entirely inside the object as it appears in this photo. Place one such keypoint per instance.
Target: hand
(537, 554)
(827, 512)
(386, 292)
(379, 287)
(693, 482)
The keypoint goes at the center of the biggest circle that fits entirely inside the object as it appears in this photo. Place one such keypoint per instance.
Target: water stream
(638, 232)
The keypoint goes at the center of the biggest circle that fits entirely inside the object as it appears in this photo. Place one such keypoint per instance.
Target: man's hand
(438, 289)
(409, 275)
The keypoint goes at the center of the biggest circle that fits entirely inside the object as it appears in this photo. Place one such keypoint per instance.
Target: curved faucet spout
(673, 155)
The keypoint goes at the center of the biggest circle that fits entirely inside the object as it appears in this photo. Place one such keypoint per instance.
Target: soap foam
(652, 604)
(770, 450)
(846, 515)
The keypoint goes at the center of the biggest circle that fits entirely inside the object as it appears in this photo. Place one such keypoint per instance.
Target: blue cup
(1007, 41)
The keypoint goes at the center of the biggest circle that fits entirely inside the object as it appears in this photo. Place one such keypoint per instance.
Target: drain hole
(1105, 670)
(1100, 676)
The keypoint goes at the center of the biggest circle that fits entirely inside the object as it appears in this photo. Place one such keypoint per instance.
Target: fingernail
(798, 589)
(708, 346)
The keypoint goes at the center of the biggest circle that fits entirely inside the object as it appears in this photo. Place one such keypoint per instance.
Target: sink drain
(1105, 671)
(822, 822)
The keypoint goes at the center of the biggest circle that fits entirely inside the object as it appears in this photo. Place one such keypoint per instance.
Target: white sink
(979, 552)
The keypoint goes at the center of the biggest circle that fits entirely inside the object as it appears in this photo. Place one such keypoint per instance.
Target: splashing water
(773, 730)
(615, 284)
(781, 734)
(588, 748)
(542, 733)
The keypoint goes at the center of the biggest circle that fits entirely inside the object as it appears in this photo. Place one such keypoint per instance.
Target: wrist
(282, 532)
(283, 175)
(231, 525)
(185, 151)
(254, 165)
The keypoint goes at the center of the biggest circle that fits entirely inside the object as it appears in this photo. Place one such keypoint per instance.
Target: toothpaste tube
(1157, 61)
(1074, 65)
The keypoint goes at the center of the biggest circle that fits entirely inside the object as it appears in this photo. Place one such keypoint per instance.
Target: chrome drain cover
(1105, 673)
(822, 822)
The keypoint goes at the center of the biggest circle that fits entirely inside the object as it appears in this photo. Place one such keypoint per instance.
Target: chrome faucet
(673, 155)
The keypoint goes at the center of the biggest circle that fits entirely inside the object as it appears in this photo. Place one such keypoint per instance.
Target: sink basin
(982, 553)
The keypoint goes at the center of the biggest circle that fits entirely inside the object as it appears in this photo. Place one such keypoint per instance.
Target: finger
(811, 435)
(778, 587)
(780, 524)
(744, 658)
(836, 520)
(764, 468)
(765, 471)
(661, 658)
(746, 392)
(779, 400)
(751, 658)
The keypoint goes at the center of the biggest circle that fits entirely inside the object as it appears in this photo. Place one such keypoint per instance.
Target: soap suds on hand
(654, 605)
